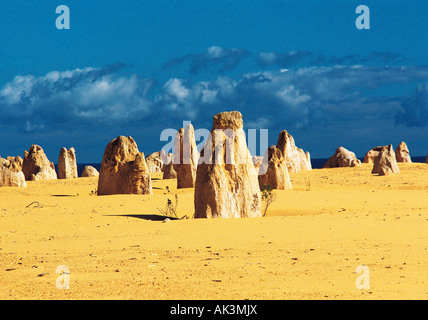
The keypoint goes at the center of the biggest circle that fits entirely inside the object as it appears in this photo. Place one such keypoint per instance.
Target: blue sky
(138, 67)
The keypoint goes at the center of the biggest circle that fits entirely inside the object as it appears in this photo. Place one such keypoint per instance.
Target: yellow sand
(307, 247)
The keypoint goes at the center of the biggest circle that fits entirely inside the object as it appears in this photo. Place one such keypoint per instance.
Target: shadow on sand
(149, 217)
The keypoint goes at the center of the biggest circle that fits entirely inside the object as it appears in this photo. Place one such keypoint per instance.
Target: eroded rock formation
(385, 163)
(186, 157)
(11, 174)
(342, 158)
(295, 158)
(372, 154)
(273, 170)
(36, 165)
(226, 181)
(90, 171)
(169, 171)
(402, 153)
(124, 169)
(67, 164)
(155, 161)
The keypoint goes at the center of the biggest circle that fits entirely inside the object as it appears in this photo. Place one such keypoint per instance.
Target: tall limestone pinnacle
(295, 158)
(67, 164)
(186, 157)
(226, 181)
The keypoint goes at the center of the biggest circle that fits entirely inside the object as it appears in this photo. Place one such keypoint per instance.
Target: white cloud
(86, 94)
(291, 96)
(215, 52)
(176, 89)
(299, 97)
(18, 88)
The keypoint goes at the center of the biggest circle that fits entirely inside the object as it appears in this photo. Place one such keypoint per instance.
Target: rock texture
(385, 163)
(186, 157)
(90, 171)
(372, 154)
(306, 160)
(12, 163)
(167, 159)
(226, 181)
(155, 161)
(11, 174)
(295, 158)
(257, 161)
(342, 158)
(402, 153)
(273, 170)
(124, 169)
(36, 165)
(169, 171)
(67, 164)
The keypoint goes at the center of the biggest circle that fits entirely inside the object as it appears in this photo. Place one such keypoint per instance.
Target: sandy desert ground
(307, 247)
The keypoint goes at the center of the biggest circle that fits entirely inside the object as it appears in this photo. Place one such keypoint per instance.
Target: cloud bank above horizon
(297, 91)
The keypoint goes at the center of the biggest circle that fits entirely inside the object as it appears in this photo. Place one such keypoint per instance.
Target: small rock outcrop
(226, 181)
(67, 164)
(342, 158)
(295, 158)
(402, 153)
(385, 163)
(36, 165)
(11, 174)
(124, 169)
(89, 171)
(372, 154)
(186, 157)
(273, 170)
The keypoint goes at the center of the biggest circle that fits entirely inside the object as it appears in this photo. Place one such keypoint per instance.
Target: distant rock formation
(124, 169)
(372, 154)
(67, 165)
(11, 174)
(155, 162)
(90, 171)
(342, 158)
(402, 153)
(306, 160)
(385, 163)
(226, 181)
(273, 170)
(426, 161)
(186, 157)
(295, 158)
(169, 171)
(12, 163)
(36, 165)
(167, 158)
